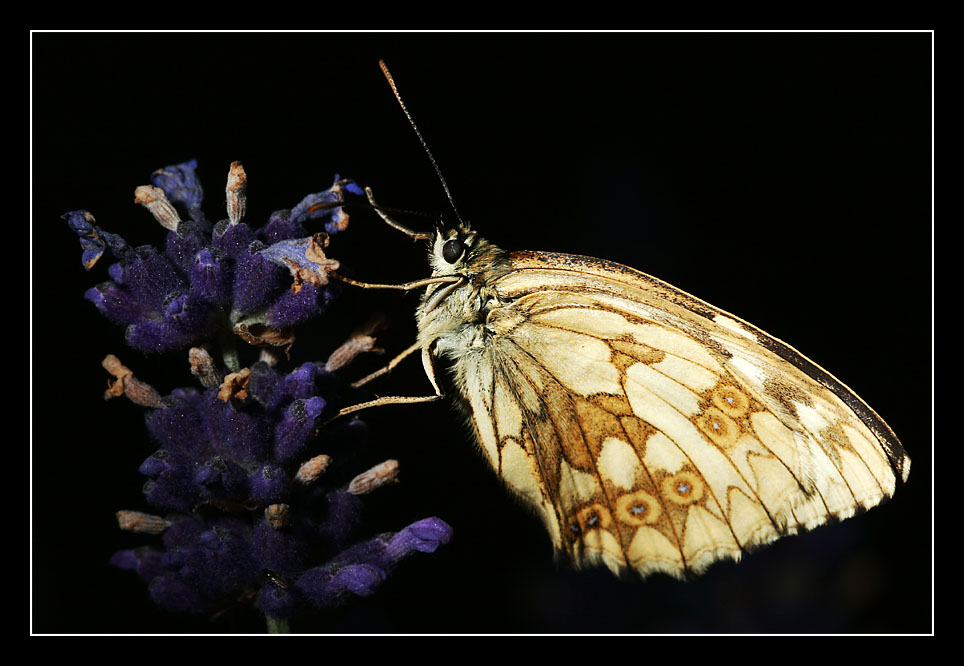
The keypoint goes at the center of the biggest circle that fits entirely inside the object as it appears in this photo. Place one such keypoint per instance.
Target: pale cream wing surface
(654, 432)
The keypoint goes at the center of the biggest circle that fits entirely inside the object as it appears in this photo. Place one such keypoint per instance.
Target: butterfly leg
(392, 223)
(402, 399)
(388, 368)
(406, 286)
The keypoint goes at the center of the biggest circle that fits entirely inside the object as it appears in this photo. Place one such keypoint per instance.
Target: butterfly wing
(654, 432)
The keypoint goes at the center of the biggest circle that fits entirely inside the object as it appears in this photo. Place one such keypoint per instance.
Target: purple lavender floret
(94, 240)
(224, 469)
(181, 184)
(325, 206)
(210, 279)
(361, 569)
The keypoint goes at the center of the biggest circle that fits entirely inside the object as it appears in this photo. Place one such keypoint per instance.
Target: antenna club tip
(388, 75)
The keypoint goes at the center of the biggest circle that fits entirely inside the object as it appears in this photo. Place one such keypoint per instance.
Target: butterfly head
(459, 250)
(451, 248)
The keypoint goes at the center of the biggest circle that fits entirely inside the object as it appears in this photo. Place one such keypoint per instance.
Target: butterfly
(649, 430)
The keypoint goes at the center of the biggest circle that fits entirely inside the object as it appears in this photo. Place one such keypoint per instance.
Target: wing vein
(609, 499)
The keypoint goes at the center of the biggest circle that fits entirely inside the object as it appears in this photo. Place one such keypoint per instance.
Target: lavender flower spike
(254, 495)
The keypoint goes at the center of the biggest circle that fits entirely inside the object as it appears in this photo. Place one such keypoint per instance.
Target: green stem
(276, 626)
(229, 352)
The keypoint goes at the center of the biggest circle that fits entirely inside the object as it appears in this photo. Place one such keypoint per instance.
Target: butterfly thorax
(456, 323)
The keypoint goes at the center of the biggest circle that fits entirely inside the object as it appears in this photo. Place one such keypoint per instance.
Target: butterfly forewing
(648, 429)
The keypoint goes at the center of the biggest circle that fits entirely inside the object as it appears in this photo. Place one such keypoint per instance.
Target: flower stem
(229, 352)
(276, 626)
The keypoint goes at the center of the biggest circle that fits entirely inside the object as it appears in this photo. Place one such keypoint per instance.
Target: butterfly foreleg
(392, 223)
(405, 286)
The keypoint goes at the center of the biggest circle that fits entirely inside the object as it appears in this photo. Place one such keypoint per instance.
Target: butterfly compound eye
(452, 250)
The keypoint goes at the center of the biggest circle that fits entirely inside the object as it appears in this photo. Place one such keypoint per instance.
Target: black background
(782, 177)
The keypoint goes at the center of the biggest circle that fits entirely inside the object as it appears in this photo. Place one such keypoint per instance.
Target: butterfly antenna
(448, 193)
